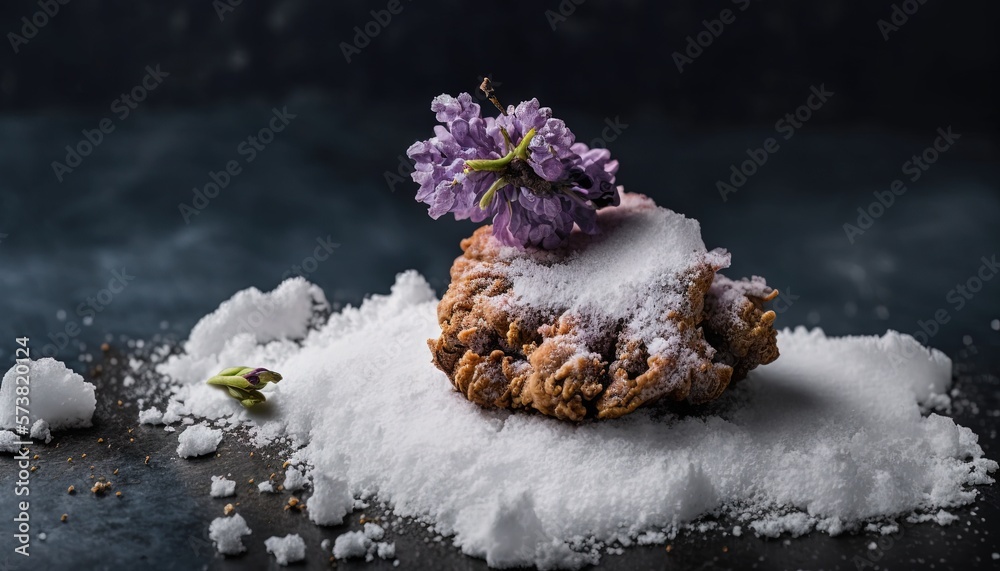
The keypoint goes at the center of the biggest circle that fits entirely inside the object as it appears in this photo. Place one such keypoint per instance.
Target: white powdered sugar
(830, 437)
(288, 549)
(198, 440)
(284, 313)
(150, 416)
(58, 396)
(40, 431)
(222, 487)
(227, 533)
(365, 544)
(294, 480)
(650, 249)
(9, 442)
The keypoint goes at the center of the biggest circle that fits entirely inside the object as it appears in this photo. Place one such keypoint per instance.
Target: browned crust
(503, 355)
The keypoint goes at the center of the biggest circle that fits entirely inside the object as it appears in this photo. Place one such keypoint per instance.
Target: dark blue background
(325, 175)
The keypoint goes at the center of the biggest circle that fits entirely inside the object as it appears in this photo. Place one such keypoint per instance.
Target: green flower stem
(521, 152)
(498, 165)
(488, 197)
(493, 165)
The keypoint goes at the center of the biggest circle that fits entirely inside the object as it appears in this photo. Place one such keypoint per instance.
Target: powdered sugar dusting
(649, 247)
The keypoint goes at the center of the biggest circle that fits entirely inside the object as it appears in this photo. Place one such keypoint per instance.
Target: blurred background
(157, 157)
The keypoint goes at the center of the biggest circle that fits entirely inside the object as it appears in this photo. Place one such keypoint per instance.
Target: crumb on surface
(100, 487)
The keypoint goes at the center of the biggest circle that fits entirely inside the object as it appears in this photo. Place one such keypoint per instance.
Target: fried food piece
(688, 337)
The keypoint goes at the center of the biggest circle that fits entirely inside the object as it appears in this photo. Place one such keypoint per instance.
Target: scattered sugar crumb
(288, 549)
(351, 544)
(385, 550)
(59, 396)
(374, 531)
(9, 442)
(222, 488)
(941, 518)
(294, 480)
(197, 441)
(356, 544)
(651, 538)
(151, 416)
(227, 533)
(40, 431)
(265, 487)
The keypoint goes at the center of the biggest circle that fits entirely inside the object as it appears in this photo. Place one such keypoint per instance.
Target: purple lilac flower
(524, 169)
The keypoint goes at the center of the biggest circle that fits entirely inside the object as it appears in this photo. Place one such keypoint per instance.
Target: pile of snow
(364, 544)
(227, 533)
(829, 437)
(198, 440)
(57, 396)
(222, 487)
(288, 549)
